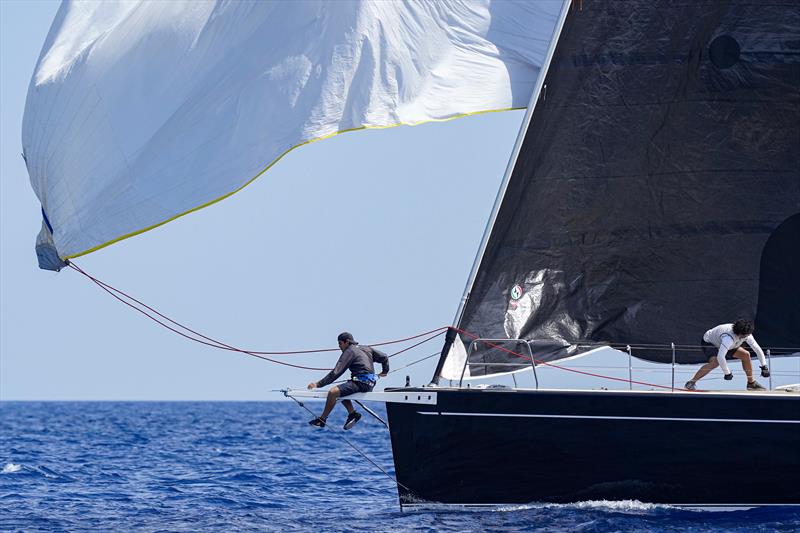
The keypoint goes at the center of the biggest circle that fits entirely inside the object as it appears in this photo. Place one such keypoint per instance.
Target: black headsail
(657, 190)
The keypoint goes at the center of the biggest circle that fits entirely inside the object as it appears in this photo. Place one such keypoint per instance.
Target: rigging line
(221, 344)
(373, 413)
(664, 370)
(642, 346)
(364, 455)
(337, 382)
(198, 340)
(545, 363)
(110, 289)
(415, 345)
(434, 354)
(441, 329)
(402, 367)
(214, 343)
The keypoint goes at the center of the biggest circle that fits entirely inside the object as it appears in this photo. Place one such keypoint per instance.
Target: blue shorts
(351, 387)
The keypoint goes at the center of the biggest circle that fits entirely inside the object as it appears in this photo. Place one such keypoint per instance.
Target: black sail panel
(657, 190)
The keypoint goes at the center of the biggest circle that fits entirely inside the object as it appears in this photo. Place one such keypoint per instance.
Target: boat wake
(621, 506)
(629, 507)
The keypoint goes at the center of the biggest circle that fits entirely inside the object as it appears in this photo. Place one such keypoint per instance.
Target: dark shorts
(351, 387)
(709, 350)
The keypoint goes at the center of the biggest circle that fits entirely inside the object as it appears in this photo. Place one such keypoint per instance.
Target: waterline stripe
(593, 417)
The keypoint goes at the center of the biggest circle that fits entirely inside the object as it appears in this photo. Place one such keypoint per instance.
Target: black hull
(495, 447)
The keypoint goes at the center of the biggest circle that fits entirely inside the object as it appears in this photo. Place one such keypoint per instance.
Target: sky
(285, 264)
(288, 263)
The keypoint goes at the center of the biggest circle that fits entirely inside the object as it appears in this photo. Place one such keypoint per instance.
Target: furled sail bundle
(657, 189)
(139, 112)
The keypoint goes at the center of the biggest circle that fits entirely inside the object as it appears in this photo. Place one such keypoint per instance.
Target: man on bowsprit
(725, 341)
(359, 360)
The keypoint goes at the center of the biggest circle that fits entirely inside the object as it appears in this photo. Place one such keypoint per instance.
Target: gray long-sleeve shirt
(359, 360)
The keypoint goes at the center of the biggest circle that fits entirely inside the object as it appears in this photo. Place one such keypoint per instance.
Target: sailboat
(654, 192)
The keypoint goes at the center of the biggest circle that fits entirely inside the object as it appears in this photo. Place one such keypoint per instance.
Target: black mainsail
(657, 190)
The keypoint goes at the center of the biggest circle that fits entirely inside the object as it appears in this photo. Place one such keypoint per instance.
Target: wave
(41, 471)
(10, 468)
(268, 485)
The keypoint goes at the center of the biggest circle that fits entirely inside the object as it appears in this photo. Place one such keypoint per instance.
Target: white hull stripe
(592, 417)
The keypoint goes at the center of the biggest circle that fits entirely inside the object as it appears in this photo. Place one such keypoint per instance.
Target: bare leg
(348, 405)
(330, 402)
(747, 365)
(705, 369)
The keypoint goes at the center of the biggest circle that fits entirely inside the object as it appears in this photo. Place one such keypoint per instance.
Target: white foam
(635, 506)
(619, 505)
(518, 507)
(10, 468)
(616, 506)
(623, 506)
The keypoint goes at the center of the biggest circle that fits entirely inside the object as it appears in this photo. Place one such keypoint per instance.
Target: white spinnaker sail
(139, 112)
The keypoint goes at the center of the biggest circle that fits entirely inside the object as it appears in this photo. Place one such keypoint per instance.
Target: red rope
(415, 345)
(114, 292)
(221, 344)
(182, 334)
(545, 363)
(209, 341)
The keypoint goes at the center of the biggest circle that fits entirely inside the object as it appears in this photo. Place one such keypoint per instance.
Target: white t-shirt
(725, 339)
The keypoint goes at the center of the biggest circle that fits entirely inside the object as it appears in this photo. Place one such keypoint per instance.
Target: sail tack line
(176, 327)
(192, 335)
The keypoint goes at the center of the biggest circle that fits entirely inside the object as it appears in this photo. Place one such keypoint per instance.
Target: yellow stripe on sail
(270, 165)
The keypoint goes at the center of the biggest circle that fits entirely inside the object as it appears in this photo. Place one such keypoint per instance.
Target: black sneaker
(690, 385)
(352, 419)
(755, 385)
(319, 422)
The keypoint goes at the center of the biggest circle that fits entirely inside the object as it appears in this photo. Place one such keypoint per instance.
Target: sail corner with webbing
(172, 106)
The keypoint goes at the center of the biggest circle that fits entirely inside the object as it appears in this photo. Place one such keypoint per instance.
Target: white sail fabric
(455, 366)
(139, 112)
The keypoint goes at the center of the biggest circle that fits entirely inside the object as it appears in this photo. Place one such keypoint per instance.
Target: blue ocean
(190, 466)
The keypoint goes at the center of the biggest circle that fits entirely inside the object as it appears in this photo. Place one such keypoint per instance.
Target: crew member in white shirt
(725, 341)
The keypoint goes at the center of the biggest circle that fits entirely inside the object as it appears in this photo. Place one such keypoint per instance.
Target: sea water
(192, 466)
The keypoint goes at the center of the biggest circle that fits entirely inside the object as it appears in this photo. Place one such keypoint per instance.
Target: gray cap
(346, 337)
